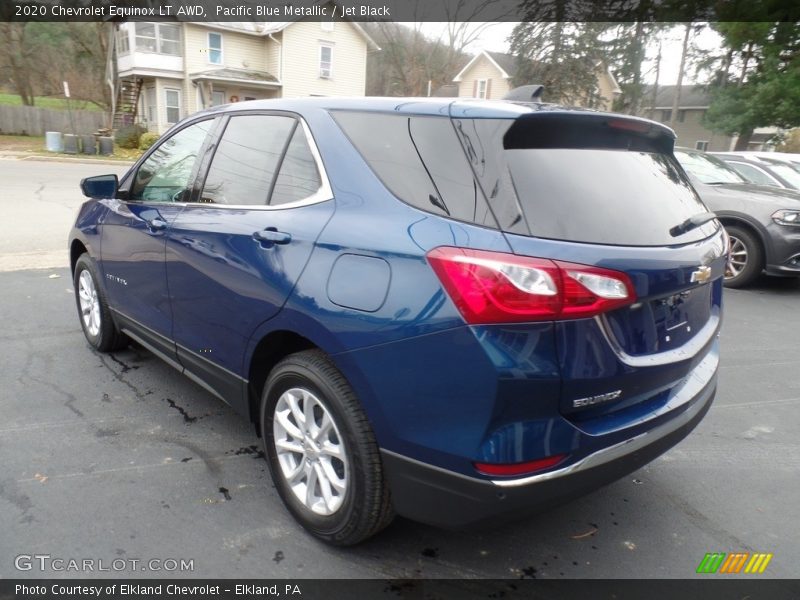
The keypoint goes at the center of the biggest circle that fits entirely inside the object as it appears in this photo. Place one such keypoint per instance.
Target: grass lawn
(48, 102)
(33, 145)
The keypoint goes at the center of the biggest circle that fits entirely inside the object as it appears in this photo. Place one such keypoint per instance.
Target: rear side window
(420, 160)
(246, 160)
(582, 181)
(298, 177)
(753, 174)
(788, 172)
(708, 169)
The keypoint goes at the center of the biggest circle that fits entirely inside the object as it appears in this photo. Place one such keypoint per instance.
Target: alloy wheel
(739, 256)
(310, 451)
(89, 303)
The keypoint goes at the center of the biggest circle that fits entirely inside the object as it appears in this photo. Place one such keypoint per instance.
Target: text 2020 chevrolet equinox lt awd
(454, 311)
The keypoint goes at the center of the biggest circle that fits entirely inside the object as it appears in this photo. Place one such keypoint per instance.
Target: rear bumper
(447, 499)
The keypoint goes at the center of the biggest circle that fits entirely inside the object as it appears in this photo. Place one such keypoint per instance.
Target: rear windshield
(583, 179)
(603, 196)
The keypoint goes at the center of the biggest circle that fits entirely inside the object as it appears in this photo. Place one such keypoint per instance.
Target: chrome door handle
(271, 235)
(156, 224)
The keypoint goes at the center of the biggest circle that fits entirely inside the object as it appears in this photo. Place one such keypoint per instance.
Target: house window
(481, 91)
(161, 38)
(215, 48)
(326, 25)
(123, 41)
(701, 145)
(666, 116)
(172, 100)
(217, 98)
(150, 97)
(325, 62)
(681, 116)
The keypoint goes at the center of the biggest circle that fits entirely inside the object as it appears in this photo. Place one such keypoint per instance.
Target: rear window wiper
(692, 223)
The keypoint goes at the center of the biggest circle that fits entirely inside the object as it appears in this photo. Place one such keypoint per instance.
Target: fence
(33, 120)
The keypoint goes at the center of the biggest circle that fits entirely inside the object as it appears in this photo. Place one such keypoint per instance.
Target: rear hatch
(605, 191)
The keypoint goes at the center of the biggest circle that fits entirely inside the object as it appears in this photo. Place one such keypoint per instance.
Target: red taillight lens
(496, 287)
(637, 126)
(523, 468)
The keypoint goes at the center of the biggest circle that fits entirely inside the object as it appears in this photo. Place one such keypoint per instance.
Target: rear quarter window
(420, 160)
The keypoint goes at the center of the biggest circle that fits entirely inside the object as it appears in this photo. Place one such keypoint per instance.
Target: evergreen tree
(757, 82)
(563, 57)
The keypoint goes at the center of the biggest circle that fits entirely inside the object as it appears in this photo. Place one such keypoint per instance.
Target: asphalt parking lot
(117, 456)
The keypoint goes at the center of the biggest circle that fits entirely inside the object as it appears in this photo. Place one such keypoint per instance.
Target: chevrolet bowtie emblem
(702, 275)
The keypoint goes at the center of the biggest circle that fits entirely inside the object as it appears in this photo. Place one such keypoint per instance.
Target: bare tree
(676, 100)
(37, 57)
(412, 59)
(564, 57)
(16, 59)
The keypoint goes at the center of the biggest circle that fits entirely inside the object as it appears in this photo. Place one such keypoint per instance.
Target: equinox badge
(596, 399)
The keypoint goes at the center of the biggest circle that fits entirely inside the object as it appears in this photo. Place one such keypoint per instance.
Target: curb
(66, 159)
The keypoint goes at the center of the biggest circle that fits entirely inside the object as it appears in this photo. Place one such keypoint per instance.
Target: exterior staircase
(127, 102)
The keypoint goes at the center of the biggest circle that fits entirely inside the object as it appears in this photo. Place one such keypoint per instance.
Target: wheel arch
(268, 351)
(76, 249)
(745, 222)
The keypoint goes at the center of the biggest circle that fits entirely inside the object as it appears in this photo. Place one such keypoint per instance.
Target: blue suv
(455, 311)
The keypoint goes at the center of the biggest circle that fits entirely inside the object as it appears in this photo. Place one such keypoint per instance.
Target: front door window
(166, 175)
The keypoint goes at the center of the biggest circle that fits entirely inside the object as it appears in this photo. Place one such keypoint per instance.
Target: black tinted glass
(482, 140)
(246, 159)
(421, 162)
(604, 196)
(441, 153)
(165, 175)
(298, 177)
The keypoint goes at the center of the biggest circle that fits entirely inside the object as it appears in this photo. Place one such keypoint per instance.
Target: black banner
(436, 589)
(400, 10)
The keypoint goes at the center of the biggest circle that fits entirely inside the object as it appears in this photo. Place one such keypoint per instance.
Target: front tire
(747, 258)
(95, 316)
(322, 452)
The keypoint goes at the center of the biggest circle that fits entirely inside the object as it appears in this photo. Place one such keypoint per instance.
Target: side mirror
(100, 186)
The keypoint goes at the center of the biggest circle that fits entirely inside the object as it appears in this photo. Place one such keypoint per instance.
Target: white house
(167, 71)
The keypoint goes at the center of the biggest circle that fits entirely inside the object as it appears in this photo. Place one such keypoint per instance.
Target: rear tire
(747, 257)
(321, 451)
(95, 316)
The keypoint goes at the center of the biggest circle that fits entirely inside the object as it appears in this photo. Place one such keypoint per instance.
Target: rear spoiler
(578, 129)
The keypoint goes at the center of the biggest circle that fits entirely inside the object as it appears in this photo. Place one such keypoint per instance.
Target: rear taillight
(496, 287)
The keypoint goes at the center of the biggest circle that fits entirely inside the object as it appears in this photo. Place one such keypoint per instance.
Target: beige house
(167, 71)
(488, 75)
(689, 127)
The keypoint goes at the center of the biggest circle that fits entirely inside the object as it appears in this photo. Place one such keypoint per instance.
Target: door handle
(156, 224)
(271, 235)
